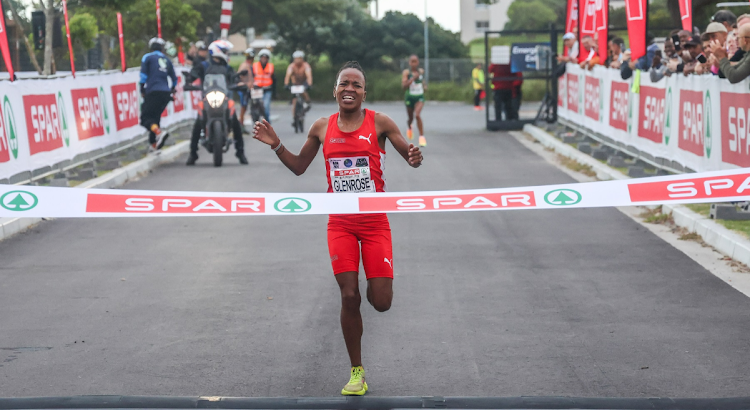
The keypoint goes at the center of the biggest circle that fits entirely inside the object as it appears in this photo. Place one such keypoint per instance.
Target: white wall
(496, 14)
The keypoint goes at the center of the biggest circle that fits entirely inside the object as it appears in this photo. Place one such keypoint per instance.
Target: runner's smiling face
(350, 90)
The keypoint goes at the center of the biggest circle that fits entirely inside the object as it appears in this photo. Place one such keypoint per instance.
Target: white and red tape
(31, 201)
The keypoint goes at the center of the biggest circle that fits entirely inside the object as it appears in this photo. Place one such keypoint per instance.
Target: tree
(83, 29)
(530, 15)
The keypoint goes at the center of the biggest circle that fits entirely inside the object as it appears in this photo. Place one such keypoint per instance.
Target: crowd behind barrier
(48, 122)
(699, 123)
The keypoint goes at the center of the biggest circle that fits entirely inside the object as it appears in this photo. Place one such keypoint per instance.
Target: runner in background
(412, 80)
(354, 142)
(247, 79)
(156, 90)
(477, 79)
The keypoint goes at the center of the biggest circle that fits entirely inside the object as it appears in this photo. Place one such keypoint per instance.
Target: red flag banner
(602, 27)
(158, 18)
(226, 17)
(67, 34)
(4, 44)
(122, 42)
(586, 25)
(686, 14)
(571, 21)
(636, 11)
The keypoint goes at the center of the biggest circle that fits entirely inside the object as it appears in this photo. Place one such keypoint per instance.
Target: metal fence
(447, 69)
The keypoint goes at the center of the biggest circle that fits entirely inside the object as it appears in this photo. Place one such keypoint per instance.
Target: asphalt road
(560, 302)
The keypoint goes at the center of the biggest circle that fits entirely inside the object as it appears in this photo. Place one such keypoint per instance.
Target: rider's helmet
(170, 49)
(250, 52)
(156, 43)
(200, 45)
(220, 49)
(265, 52)
(298, 54)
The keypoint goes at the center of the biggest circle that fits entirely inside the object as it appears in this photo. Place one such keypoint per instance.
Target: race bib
(351, 175)
(298, 89)
(256, 93)
(416, 88)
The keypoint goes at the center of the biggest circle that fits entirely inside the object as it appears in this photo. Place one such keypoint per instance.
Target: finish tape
(31, 201)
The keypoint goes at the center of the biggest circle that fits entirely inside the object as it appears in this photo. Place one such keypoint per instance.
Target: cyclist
(263, 77)
(218, 64)
(412, 80)
(353, 138)
(299, 73)
(247, 79)
(156, 90)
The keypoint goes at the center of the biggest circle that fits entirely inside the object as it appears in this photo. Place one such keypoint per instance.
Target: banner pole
(4, 45)
(122, 42)
(158, 18)
(67, 33)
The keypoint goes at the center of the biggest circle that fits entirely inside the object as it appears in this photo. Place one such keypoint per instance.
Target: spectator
(685, 36)
(591, 52)
(477, 80)
(616, 49)
(735, 73)
(692, 50)
(742, 20)
(659, 68)
(717, 32)
(726, 18)
(643, 63)
(503, 84)
(571, 44)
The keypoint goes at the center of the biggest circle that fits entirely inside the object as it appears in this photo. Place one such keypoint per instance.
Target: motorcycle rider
(218, 64)
(247, 79)
(299, 73)
(263, 77)
(156, 90)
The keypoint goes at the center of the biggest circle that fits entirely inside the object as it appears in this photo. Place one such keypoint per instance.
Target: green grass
(742, 227)
(702, 209)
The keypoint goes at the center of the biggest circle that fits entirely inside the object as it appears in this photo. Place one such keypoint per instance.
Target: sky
(447, 13)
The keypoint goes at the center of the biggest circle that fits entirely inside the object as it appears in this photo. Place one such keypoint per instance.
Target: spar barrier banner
(699, 122)
(31, 201)
(45, 122)
(686, 14)
(4, 45)
(636, 12)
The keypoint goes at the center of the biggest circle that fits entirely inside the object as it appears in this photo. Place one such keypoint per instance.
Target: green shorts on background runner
(412, 100)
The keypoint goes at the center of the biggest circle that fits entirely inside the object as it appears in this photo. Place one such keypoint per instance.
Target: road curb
(722, 239)
(116, 178)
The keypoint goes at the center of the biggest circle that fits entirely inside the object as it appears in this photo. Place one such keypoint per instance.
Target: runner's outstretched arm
(298, 164)
(389, 129)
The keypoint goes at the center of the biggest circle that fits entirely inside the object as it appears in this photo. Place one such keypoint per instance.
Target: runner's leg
(410, 114)
(418, 114)
(351, 319)
(377, 259)
(380, 293)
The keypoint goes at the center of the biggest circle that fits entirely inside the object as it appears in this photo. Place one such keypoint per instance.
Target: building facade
(477, 18)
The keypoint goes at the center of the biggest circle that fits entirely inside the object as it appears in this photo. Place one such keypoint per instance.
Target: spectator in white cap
(717, 32)
(571, 44)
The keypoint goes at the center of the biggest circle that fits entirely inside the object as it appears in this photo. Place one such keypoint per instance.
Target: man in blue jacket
(156, 90)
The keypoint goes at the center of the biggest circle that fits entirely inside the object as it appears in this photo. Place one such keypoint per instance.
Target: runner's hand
(415, 156)
(263, 132)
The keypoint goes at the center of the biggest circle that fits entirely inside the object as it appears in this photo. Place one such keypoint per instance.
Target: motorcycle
(217, 110)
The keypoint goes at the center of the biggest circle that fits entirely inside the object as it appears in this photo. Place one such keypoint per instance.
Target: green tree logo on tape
(563, 197)
(18, 201)
(292, 205)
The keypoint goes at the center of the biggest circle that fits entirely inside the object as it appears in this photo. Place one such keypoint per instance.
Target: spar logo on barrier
(448, 202)
(140, 204)
(668, 113)
(619, 105)
(572, 92)
(651, 124)
(179, 96)
(43, 123)
(561, 91)
(18, 201)
(89, 112)
(591, 98)
(563, 197)
(691, 188)
(292, 205)
(8, 135)
(708, 120)
(692, 125)
(63, 119)
(125, 101)
(735, 143)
